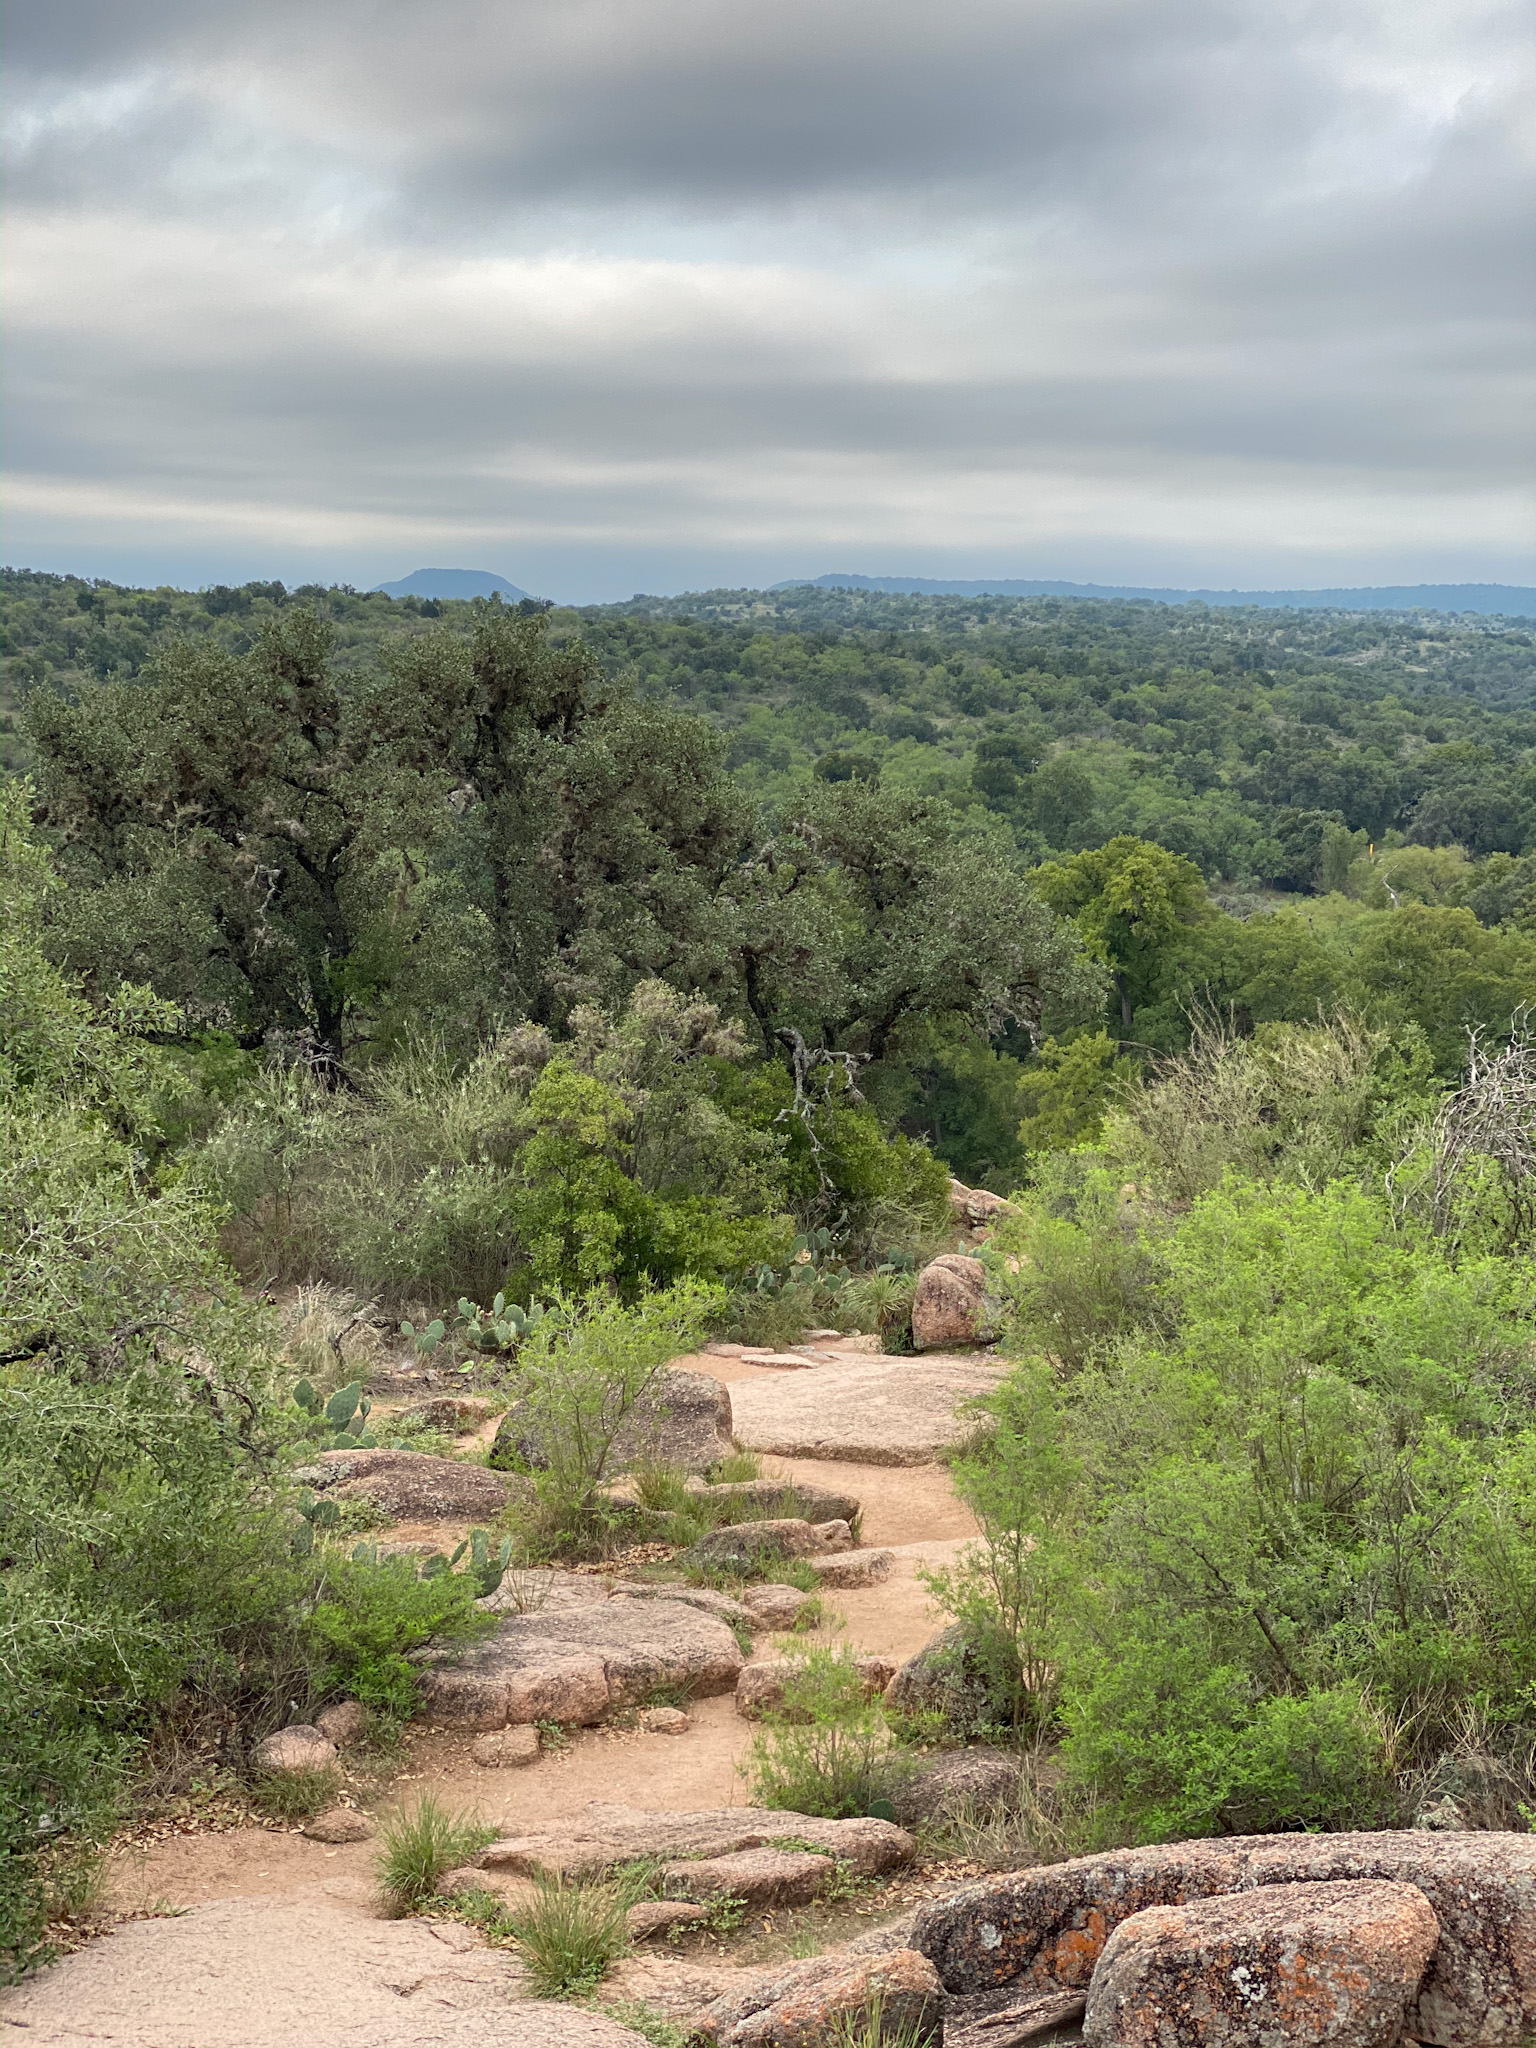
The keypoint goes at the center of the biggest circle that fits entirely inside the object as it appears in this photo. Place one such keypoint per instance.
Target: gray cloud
(1218, 290)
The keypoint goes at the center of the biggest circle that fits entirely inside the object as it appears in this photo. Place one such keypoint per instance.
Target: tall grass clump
(418, 1845)
(568, 1934)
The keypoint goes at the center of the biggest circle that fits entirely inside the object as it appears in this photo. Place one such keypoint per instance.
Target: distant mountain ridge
(1512, 600)
(451, 583)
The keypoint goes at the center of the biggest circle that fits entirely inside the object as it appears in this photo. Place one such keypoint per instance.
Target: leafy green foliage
(1258, 1494)
(580, 1378)
(374, 1613)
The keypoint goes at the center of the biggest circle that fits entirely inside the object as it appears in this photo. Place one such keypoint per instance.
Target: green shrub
(373, 1614)
(823, 1749)
(1175, 1749)
(568, 1934)
(418, 1846)
(581, 1374)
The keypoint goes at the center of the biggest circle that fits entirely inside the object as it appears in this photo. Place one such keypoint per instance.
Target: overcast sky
(610, 295)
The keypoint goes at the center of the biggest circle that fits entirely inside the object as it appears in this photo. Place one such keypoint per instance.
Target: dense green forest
(654, 966)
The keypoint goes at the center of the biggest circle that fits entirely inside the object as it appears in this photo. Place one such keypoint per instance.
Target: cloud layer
(618, 294)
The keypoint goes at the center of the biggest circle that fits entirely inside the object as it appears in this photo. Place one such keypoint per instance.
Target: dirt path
(911, 1509)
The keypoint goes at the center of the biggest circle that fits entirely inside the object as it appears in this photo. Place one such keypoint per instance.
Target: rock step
(601, 1836)
(854, 1568)
(758, 1877)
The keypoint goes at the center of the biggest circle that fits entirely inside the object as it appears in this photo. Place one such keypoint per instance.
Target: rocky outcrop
(1310, 1965)
(873, 1410)
(775, 1607)
(454, 1413)
(343, 1722)
(949, 1304)
(587, 1843)
(744, 1544)
(410, 1485)
(944, 1679)
(574, 1663)
(660, 1916)
(683, 1419)
(804, 2005)
(976, 1208)
(539, 1590)
(759, 1878)
(775, 1498)
(1046, 1929)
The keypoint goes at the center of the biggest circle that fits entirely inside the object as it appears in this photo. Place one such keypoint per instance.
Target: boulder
(949, 1304)
(873, 1410)
(775, 1607)
(573, 1663)
(954, 1781)
(853, 1568)
(660, 1916)
(341, 1824)
(1045, 1929)
(506, 1749)
(943, 1679)
(803, 2005)
(758, 1877)
(665, 1721)
(343, 1722)
(834, 1535)
(742, 1544)
(1299, 1964)
(774, 1498)
(976, 1208)
(298, 1748)
(760, 1688)
(683, 1419)
(1480, 1986)
(587, 1843)
(412, 1486)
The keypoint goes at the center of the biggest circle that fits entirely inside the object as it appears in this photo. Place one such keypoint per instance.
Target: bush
(581, 1375)
(1291, 1509)
(372, 1615)
(823, 1750)
(418, 1846)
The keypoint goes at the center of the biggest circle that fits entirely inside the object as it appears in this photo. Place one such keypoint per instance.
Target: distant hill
(450, 583)
(1509, 600)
